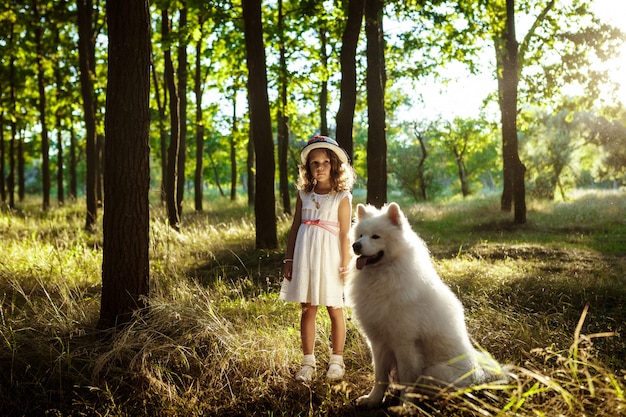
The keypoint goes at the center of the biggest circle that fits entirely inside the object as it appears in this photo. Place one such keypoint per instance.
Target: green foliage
(217, 341)
(570, 149)
(469, 143)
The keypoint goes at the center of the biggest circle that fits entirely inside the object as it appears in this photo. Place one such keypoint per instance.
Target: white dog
(414, 323)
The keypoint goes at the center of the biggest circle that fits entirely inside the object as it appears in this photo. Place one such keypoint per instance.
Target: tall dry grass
(545, 298)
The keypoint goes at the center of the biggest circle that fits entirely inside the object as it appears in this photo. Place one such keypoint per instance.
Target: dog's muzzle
(364, 260)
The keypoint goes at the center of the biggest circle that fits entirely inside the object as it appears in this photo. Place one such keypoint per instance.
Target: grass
(546, 298)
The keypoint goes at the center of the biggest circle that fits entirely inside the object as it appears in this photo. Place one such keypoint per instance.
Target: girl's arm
(345, 221)
(291, 240)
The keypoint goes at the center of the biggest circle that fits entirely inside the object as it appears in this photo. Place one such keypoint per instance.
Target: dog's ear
(395, 214)
(361, 211)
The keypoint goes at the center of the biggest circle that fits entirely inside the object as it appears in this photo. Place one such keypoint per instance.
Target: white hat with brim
(323, 142)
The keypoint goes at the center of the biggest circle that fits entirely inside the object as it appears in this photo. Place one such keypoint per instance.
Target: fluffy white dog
(414, 323)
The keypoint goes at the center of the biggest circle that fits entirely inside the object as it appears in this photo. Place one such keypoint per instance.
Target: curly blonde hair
(342, 176)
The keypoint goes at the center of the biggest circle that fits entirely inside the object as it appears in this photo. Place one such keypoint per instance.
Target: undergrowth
(544, 298)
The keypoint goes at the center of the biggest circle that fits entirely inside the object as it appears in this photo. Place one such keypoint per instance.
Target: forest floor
(547, 298)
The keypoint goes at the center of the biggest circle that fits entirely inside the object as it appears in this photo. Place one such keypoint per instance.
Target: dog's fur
(414, 323)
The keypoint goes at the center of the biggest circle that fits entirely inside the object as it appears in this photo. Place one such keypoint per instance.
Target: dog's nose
(356, 246)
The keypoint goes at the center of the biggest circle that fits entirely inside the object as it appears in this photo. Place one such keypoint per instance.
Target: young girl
(318, 248)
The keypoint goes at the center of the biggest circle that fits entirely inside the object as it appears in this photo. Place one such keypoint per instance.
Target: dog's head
(376, 234)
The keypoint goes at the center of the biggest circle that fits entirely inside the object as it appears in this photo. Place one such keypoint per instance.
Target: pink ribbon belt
(332, 227)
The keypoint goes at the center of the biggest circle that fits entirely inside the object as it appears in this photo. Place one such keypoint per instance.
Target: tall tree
(41, 85)
(125, 265)
(348, 88)
(514, 189)
(3, 192)
(73, 176)
(161, 103)
(260, 127)
(282, 118)
(171, 189)
(376, 131)
(58, 79)
(182, 103)
(86, 54)
(197, 88)
(323, 102)
(13, 107)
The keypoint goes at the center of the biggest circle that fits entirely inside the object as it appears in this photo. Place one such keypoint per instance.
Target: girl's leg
(338, 340)
(307, 328)
(338, 329)
(307, 334)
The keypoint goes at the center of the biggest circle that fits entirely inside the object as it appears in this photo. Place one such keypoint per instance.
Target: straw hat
(324, 142)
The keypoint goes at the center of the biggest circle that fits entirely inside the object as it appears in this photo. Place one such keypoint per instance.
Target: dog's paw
(368, 401)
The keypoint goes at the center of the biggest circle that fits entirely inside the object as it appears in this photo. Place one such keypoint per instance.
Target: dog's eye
(375, 237)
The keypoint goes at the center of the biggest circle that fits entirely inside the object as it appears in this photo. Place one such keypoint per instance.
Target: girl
(318, 248)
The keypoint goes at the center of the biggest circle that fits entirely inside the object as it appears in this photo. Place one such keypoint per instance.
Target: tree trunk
(260, 127)
(513, 169)
(324, 87)
(283, 121)
(182, 103)
(162, 130)
(21, 183)
(85, 59)
(462, 174)
(174, 146)
(100, 170)
(251, 172)
(376, 131)
(13, 104)
(125, 265)
(3, 193)
(73, 176)
(41, 85)
(233, 150)
(198, 177)
(347, 101)
(59, 127)
(420, 165)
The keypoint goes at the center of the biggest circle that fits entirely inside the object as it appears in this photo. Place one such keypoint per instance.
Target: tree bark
(347, 101)
(376, 131)
(13, 104)
(420, 165)
(125, 266)
(513, 169)
(3, 193)
(324, 87)
(73, 176)
(233, 150)
(174, 146)
(182, 103)
(41, 85)
(58, 117)
(86, 58)
(282, 119)
(198, 177)
(162, 130)
(260, 127)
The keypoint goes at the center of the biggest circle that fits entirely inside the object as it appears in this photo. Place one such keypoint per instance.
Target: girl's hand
(343, 273)
(287, 269)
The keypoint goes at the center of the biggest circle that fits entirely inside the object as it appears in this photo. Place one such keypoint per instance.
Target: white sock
(309, 360)
(335, 358)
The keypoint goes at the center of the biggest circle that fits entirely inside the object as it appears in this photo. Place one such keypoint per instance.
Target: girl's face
(320, 165)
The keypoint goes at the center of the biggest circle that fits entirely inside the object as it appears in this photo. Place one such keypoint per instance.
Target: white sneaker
(306, 372)
(336, 367)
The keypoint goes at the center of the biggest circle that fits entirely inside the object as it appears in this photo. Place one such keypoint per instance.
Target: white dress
(317, 253)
